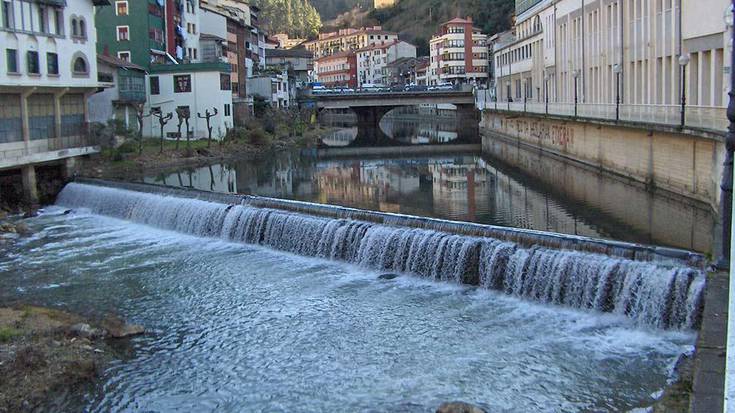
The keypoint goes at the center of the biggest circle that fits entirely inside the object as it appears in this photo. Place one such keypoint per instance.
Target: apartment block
(459, 54)
(636, 50)
(337, 70)
(373, 60)
(349, 40)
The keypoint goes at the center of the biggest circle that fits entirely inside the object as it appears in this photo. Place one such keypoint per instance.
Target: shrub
(259, 137)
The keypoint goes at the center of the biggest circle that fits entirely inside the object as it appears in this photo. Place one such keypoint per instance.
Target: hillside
(418, 20)
(330, 9)
(298, 18)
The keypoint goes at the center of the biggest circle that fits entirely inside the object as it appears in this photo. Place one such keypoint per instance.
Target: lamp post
(723, 261)
(575, 74)
(546, 91)
(683, 62)
(617, 69)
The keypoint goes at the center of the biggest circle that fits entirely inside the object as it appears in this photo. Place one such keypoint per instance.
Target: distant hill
(417, 20)
(297, 18)
(329, 9)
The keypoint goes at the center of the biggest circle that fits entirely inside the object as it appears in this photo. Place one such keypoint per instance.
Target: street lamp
(617, 69)
(546, 91)
(683, 62)
(575, 74)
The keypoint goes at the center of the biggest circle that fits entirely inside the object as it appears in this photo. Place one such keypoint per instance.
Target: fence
(701, 117)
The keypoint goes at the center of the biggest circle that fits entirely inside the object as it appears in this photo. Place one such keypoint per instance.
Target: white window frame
(122, 52)
(127, 7)
(117, 33)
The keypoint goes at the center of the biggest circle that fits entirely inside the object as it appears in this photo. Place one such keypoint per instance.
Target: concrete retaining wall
(681, 162)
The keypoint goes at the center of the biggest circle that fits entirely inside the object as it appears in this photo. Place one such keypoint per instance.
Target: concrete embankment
(685, 162)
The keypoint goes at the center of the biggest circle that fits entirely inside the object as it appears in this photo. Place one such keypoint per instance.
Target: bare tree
(208, 116)
(162, 120)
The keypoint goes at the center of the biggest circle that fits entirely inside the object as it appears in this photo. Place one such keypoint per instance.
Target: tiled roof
(114, 61)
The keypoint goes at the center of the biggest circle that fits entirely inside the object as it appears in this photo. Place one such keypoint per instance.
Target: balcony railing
(699, 117)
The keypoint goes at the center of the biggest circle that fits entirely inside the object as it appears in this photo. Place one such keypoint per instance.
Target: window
(227, 109)
(124, 56)
(80, 66)
(155, 85)
(82, 28)
(52, 63)
(59, 22)
(42, 19)
(32, 58)
(121, 8)
(224, 81)
(11, 56)
(182, 83)
(74, 28)
(8, 21)
(123, 33)
(235, 87)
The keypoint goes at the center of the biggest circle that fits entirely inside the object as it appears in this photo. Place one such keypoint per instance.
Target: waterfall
(660, 295)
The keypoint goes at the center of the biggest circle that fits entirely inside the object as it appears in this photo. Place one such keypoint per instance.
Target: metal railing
(700, 117)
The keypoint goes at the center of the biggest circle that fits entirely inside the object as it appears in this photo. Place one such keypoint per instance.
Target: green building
(133, 30)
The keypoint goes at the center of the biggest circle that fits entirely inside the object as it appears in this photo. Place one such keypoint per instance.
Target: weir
(661, 288)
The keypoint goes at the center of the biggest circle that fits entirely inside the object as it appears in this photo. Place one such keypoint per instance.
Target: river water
(238, 327)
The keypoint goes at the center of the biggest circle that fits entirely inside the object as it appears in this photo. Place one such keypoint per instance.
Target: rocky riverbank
(258, 138)
(47, 354)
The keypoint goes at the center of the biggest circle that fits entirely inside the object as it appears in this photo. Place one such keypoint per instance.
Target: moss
(7, 334)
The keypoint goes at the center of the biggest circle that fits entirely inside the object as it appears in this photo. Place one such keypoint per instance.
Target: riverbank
(133, 161)
(48, 355)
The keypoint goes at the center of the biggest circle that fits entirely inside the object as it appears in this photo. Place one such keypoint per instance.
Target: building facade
(349, 40)
(633, 50)
(194, 87)
(372, 61)
(121, 94)
(48, 70)
(459, 54)
(337, 70)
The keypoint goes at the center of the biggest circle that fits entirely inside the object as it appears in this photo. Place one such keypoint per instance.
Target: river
(237, 321)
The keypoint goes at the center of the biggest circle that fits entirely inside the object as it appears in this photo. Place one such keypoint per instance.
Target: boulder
(84, 330)
(388, 276)
(22, 229)
(459, 407)
(8, 228)
(117, 328)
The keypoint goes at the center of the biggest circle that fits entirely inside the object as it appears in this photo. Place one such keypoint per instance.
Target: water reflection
(552, 197)
(420, 125)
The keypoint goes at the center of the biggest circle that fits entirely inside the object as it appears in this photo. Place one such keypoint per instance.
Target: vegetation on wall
(297, 18)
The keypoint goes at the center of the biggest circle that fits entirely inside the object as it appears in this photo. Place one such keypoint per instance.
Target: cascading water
(662, 296)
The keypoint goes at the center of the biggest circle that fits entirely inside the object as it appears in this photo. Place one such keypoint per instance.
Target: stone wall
(682, 162)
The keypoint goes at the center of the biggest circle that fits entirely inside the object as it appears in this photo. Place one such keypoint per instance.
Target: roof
(300, 52)
(207, 36)
(400, 61)
(114, 61)
(381, 46)
(458, 20)
(355, 33)
(346, 53)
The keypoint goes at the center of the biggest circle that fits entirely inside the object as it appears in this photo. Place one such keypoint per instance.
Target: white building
(123, 93)
(634, 43)
(458, 54)
(274, 88)
(193, 87)
(48, 69)
(371, 60)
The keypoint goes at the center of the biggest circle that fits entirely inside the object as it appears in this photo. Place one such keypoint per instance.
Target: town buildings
(121, 94)
(373, 59)
(299, 64)
(48, 70)
(349, 40)
(403, 71)
(285, 42)
(274, 88)
(337, 70)
(459, 54)
(633, 50)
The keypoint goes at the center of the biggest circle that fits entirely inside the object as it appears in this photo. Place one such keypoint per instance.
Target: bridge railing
(701, 117)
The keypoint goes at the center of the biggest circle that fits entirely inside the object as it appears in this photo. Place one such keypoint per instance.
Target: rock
(388, 276)
(67, 212)
(459, 407)
(3, 214)
(117, 328)
(31, 213)
(22, 229)
(85, 331)
(8, 228)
